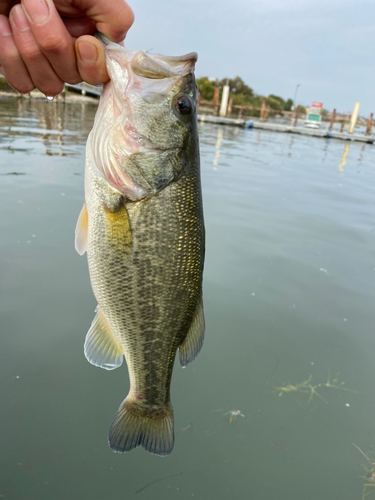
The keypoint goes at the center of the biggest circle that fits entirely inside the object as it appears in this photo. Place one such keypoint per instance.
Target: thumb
(113, 18)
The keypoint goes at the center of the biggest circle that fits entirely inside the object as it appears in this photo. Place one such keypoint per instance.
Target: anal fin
(101, 347)
(193, 341)
(82, 231)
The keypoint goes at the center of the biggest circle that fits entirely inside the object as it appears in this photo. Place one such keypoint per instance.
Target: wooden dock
(237, 122)
(274, 127)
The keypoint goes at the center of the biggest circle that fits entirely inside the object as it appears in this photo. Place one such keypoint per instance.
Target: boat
(313, 120)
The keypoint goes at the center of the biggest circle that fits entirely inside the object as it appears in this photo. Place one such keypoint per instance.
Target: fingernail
(5, 29)
(19, 18)
(37, 10)
(87, 52)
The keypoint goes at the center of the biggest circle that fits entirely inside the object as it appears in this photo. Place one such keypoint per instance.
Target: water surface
(288, 292)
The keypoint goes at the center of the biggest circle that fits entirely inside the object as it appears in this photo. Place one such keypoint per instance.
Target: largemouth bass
(142, 227)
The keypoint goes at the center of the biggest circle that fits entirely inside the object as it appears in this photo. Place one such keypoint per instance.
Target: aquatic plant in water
(306, 387)
(369, 486)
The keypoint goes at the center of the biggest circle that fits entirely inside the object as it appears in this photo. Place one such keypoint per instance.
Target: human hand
(44, 43)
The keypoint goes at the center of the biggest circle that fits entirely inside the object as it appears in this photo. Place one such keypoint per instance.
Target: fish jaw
(136, 121)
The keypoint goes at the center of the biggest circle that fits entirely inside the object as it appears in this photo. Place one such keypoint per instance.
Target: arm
(45, 43)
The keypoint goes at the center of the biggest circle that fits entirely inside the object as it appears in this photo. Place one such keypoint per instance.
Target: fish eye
(183, 105)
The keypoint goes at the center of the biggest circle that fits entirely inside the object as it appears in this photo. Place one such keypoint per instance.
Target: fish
(142, 228)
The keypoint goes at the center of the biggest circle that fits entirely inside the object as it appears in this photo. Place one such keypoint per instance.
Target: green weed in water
(307, 387)
(369, 486)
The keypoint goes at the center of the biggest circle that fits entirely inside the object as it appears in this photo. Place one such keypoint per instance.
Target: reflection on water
(360, 154)
(57, 126)
(343, 158)
(290, 145)
(289, 302)
(220, 134)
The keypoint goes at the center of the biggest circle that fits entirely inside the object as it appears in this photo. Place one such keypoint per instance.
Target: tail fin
(134, 425)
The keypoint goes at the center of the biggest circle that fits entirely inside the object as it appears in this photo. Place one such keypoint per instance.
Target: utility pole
(295, 94)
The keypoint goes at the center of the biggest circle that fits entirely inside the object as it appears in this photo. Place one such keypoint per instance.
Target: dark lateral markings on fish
(142, 228)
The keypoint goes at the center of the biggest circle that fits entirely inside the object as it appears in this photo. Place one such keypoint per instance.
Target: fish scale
(142, 227)
(145, 296)
(144, 242)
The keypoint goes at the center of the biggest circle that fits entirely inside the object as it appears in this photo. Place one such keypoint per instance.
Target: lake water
(290, 311)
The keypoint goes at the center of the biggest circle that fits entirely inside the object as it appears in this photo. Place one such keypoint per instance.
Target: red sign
(317, 105)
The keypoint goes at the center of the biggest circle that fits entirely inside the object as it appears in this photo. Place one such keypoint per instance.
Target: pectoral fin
(101, 347)
(82, 230)
(118, 227)
(193, 341)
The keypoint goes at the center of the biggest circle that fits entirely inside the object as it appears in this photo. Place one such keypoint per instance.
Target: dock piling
(216, 100)
(354, 117)
(296, 117)
(369, 125)
(229, 110)
(343, 125)
(224, 100)
(332, 119)
(263, 111)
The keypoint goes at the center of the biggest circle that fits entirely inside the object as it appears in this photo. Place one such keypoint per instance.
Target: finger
(79, 26)
(40, 70)
(52, 38)
(113, 18)
(91, 60)
(13, 68)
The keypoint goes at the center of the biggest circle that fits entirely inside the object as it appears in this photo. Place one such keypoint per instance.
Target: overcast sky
(325, 45)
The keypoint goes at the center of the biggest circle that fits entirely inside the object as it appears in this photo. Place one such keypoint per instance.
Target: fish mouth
(152, 66)
(176, 60)
(158, 67)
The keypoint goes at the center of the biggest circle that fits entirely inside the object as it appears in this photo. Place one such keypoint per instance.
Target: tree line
(242, 94)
